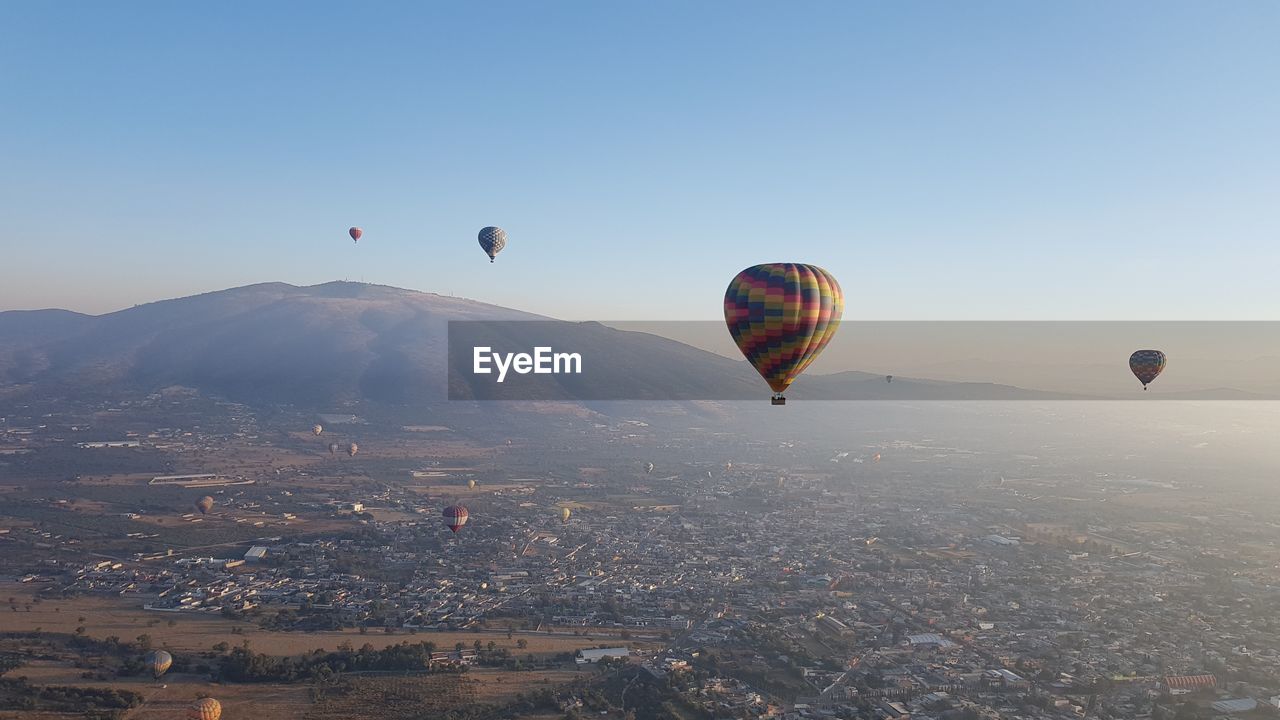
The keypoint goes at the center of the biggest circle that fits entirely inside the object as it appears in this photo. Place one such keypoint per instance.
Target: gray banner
(634, 360)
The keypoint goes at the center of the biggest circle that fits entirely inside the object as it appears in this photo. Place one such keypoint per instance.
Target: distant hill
(339, 342)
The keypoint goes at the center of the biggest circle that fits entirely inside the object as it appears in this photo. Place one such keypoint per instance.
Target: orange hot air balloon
(782, 315)
(355, 234)
(204, 505)
(205, 709)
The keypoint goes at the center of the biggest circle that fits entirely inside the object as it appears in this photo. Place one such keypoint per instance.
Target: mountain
(340, 342)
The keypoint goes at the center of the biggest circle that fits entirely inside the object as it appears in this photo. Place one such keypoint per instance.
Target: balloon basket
(777, 400)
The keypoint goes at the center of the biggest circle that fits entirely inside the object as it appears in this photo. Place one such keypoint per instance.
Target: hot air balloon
(333, 448)
(1146, 365)
(484, 586)
(317, 429)
(782, 315)
(888, 378)
(492, 240)
(728, 466)
(352, 449)
(455, 516)
(205, 709)
(648, 468)
(471, 484)
(355, 234)
(876, 458)
(564, 515)
(159, 660)
(204, 505)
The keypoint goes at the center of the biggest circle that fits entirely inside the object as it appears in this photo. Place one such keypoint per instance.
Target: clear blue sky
(948, 160)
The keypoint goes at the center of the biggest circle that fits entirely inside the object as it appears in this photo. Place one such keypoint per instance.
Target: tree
(144, 641)
(522, 643)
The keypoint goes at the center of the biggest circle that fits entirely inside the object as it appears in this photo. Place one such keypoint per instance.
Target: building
(1185, 684)
(1234, 706)
(594, 655)
(256, 553)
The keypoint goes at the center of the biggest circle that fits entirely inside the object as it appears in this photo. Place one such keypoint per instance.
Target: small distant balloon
(492, 240)
(564, 515)
(333, 448)
(455, 516)
(355, 234)
(471, 484)
(204, 505)
(875, 458)
(648, 468)
(159, 660)
(888, 378)
(317, 429)
(352, 449)
(1147, 365)
(204, 709)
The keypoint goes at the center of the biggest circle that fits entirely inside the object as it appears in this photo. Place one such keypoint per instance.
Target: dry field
(125, 619)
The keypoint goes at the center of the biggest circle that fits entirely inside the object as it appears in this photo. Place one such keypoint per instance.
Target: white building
(595, 655)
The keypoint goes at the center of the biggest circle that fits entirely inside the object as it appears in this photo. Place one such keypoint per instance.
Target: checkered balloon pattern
(1146, 365)
(782, 315)
(492, 240)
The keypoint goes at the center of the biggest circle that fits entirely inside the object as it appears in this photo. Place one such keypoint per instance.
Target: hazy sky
(1008, 160)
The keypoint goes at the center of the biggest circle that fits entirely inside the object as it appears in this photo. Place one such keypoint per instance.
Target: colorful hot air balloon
(471, 484)
(455, 516)
(317, 429)
(355, 234)
(728, 466)
(875, 458)
(648, 468)
(888, 378)
(352, 449)
(159, 660)
(333, 448)
(782, 315)
(564, 515)
(205, 709)
(204, 505)
(492, 240)
(1146, 365)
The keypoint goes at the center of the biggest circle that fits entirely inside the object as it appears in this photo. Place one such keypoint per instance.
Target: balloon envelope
(455, 516)
(492, 240)
(471, 484)
(782, 315)
(333, 448)
(204, 505)
(564, 515)
(648, 468)
(205, 709)
(1146, 365)
(317, 429)
(355, 234)
(352, 449)
(159, 660)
